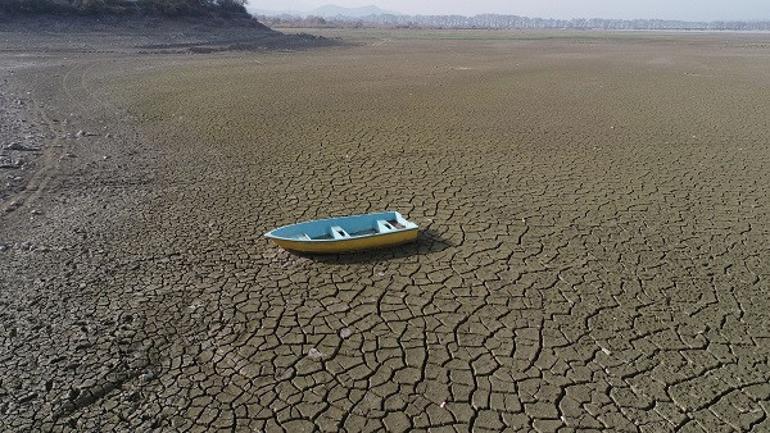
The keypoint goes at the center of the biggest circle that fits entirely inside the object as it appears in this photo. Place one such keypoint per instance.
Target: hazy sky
(670, 9)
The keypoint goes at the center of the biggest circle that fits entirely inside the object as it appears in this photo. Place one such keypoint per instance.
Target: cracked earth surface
(595, 254)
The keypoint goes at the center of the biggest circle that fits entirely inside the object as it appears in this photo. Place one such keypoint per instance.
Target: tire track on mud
(51, 152)
(62, 140)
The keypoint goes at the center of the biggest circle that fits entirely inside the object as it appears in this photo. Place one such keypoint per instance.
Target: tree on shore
(128, 7)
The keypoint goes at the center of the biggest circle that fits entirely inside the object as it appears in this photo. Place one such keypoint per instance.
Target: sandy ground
(595, 253)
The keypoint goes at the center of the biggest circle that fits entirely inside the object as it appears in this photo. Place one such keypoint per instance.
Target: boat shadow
(428, 242)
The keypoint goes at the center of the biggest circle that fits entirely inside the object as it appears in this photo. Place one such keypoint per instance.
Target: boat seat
(339, 233)
(304, 237)
(384, 226)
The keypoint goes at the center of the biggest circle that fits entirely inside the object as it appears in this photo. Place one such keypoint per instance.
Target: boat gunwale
(270, 234)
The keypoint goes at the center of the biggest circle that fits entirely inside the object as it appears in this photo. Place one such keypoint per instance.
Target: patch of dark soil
(256, 42)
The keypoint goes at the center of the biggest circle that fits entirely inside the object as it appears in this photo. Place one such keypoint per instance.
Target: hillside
(144, 26)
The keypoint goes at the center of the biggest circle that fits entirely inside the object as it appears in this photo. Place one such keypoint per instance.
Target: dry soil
(594, 256)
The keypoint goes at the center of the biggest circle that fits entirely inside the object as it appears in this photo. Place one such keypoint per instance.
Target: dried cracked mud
(594, 254)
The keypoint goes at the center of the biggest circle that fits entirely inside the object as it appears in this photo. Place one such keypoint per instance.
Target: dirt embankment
(146, 34)
(30, 41)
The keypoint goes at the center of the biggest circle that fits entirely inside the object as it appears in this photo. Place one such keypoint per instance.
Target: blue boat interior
(343, 228)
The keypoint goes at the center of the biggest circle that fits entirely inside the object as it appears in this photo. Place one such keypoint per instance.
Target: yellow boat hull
(348, 245)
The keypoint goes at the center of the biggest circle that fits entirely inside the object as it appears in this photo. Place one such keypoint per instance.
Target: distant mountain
(274, 13)
(331, 11)
(327, 11)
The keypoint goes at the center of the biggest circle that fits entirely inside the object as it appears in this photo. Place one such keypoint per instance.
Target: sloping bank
(151, 33)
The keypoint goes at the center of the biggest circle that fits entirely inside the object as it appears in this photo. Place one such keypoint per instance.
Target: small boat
(348, 233)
